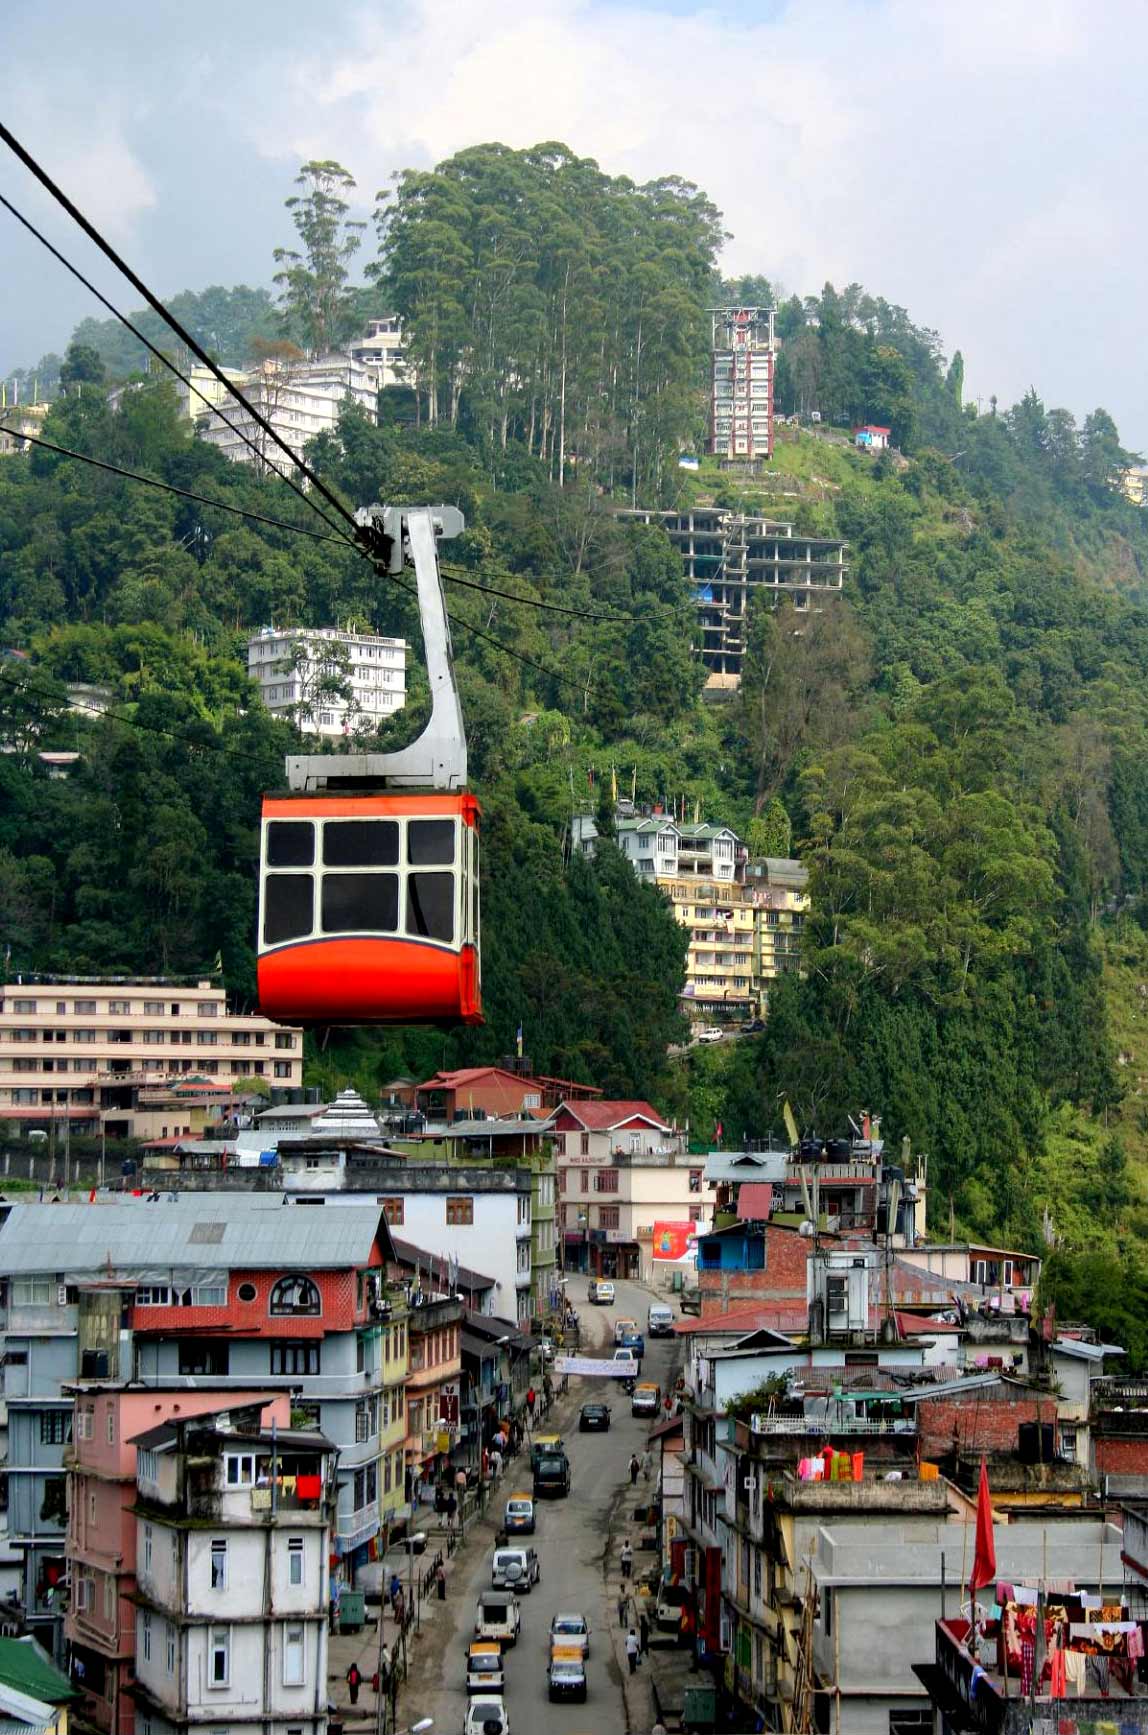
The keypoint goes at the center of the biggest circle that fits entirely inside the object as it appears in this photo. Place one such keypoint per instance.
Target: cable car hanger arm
(436, 759)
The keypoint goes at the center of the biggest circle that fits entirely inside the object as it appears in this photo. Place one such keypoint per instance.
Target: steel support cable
(360, 536)
(128, 325)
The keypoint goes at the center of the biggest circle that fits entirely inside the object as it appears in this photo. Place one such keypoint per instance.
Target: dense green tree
(314, 290)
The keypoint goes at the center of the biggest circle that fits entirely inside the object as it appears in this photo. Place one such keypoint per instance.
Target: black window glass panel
(361, 843)
(290, 843)
(360, 903)
(287, 904)
(430, 906)
(430, 842)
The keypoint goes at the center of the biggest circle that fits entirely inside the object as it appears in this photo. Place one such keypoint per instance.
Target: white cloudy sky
(981, 162)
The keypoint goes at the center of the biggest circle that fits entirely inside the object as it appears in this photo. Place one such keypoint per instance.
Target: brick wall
(984, 1421)
(783, 1278)
(1120, 1455)
(337, 1291)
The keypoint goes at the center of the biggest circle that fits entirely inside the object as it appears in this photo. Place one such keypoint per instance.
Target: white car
(485, 1716)
(570, 1632)
(710, 1033)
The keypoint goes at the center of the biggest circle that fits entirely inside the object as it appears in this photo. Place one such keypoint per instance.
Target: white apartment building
(624, 1175)
(200, 392)
(291, 666)
(232, 1550)
(77, 1053)
(383, 349)
(649, 843)
(299, 399)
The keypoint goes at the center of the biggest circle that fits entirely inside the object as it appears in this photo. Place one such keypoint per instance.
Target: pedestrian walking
(647, 1465)
(440, 1581)
(623, 1608)
(354, 1682)
(633, 1649)
(659, 1728)
(644, 1632)
(530, 1401)
(627, 1559)
(635, 1466)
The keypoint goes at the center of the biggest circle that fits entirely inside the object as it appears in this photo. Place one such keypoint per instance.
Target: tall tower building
(741, 412)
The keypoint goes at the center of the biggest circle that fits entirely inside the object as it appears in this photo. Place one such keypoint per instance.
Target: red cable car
(368, 885)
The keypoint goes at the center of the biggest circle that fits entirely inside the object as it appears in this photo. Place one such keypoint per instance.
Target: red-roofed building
(493, 1091)
(630, 1198)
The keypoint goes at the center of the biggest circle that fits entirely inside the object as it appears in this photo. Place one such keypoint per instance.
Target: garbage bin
(352, 1611)
(699, 1707)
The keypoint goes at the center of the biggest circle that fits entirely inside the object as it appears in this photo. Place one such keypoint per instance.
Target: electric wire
(360, 535)
(128, 325)
(454, 574)
(170, 487)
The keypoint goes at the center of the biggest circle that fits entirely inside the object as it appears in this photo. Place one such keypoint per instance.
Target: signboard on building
(675, 1243)
(587, 1365)
(448, 1404)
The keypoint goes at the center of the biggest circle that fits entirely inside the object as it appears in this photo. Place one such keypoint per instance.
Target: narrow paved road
(574, 1538)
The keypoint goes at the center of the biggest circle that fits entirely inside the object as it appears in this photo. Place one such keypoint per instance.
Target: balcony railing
(824, 1426)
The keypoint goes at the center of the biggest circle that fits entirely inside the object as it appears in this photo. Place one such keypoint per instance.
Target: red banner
(674, 1241)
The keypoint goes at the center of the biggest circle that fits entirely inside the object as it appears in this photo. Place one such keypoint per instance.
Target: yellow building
(744, 933)
(1134, 484)
(394, 1362)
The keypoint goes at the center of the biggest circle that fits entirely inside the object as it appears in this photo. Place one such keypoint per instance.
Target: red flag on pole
(985, 1555)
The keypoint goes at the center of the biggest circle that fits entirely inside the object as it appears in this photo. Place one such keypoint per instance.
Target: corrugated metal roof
(234, 1230)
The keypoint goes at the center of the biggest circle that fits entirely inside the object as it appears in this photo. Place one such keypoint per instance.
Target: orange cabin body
(369, 909)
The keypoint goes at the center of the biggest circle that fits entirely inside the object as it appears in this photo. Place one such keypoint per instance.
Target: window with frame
(584, 1144)
(170, 1648)
(219, 1657)
(609, 1216)
(294, 1662)
(55, 1427)
(295, 1357)
(84, 1421)
(460, 1210)
(204, 1355)
(295, 1295)
(695, 1213)
(394, 1210)
(219, 1563)
(32, 1291)
(295, 1560)
(148, 1542)
(145, 1636)
(240, 1469)
(606, 1181)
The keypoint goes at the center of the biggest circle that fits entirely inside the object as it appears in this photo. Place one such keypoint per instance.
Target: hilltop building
(383, 350)
(726, 556)
(294, 668)
(741, 394)
(300, 399)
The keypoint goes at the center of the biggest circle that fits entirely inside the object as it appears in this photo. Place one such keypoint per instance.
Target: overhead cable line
(129, 325)
(361, 536)
(170, 488)
(454, 574)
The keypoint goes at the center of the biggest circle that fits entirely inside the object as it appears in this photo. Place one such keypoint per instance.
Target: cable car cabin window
(430, 842)
(290, 843)
(430, 906)
(288, 904)
(361, 843)
(360, 903)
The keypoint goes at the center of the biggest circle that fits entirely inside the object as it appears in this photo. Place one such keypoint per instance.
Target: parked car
(518, 1519)
(595, 1418)
(709, 1033)
(498, 1617)
(484, 1671)
(515, 1569)
(486, 1716)
(753, 1026)
(566, 1676)
(571, 1632)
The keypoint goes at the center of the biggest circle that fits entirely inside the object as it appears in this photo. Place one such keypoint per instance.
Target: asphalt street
(577, 1538)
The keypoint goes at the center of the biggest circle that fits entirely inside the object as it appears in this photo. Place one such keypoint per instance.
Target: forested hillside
(959, 749)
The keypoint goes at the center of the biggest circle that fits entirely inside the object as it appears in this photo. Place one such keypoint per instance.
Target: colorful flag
(985, 1555)
(520, 1040)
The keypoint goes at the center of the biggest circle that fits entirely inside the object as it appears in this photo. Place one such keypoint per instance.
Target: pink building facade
(101, 1543)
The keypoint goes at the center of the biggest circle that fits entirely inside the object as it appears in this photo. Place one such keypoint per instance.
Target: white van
(659, 1319)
